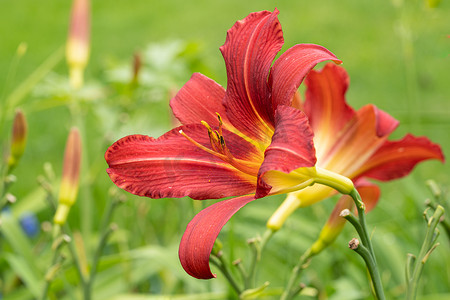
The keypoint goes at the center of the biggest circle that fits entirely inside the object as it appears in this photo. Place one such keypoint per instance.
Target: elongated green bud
(18, 139)
(70, 177)
(77, 47)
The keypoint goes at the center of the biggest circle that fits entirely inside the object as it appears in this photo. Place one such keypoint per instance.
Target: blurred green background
(397, 54)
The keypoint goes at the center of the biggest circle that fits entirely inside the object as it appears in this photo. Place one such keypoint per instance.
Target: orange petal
(359, 139)
(395, 159)
(325, 105)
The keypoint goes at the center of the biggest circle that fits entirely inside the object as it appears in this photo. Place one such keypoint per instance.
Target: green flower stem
(56, 262)
(76, 260)
(291, 289)
(370, 263)
(220, 263)
(238, 264)
(265, 238)
(355, 222)
(257, 249)
(366, 242)
(445, 223)
(413, 275)
(107, 230)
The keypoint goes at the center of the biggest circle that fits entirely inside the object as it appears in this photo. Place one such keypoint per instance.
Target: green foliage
(397, 56)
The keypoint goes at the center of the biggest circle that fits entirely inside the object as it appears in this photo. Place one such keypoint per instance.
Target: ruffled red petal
(199, 100)
(290, 69)
(198, 239)
(292, 146)
(171, 166)
(249, 50)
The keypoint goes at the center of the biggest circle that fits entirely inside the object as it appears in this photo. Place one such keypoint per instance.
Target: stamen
(220, 150)
(213, 136)
(220, 123)
(215, 153)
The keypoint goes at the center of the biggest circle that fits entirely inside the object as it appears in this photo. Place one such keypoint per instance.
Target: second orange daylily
(352, 143)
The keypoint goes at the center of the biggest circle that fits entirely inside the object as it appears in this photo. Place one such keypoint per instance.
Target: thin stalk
(220, 263)
(363, 232)
(73, 253)
(427, 248)
(372, 267)
(242, 271)
(48, 280)
(56, 262)
(107, 230)
(355, 222)
(257, 249)
(291, 290)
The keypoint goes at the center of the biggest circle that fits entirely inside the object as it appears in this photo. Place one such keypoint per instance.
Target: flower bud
(77, 47)
(70, 177)
(333, 227)
(137, 66)
(18, 140)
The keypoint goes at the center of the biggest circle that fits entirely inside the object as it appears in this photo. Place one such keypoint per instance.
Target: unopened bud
(334, 225)
(18, 139)
(77, 47)
(70, 177)
(137, 65)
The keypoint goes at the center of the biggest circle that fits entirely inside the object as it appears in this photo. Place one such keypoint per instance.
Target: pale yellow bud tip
(76, 77)
(61, 214)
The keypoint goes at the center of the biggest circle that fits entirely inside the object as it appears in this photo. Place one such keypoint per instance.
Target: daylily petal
(325, 105)
(362, 136)
(334, 225)
(291, 67)
(249, 50)
(171, 166)
(199, 100)
(395, 159)
(291, 148)
(369, 192)
(198, 239)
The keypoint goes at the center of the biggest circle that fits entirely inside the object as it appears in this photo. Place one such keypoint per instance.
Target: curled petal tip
(201, 233)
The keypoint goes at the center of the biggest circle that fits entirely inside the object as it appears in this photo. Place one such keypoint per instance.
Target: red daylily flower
(254, 144)
(257, 140)
(353, 144)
